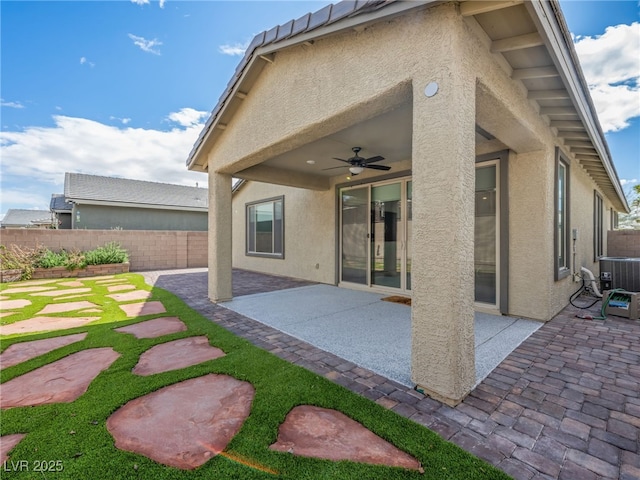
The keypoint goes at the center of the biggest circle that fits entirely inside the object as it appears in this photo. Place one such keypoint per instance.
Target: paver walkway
(564, 405)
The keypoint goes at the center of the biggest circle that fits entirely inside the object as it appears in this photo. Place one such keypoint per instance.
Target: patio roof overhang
(529, 39)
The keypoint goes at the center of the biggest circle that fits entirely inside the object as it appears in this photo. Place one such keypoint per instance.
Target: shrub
(15, 257)
(110, 253)
(49, 259)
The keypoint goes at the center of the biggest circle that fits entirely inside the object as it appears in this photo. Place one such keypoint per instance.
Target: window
(614, 220)
(562, 227)
(598, 214)
(265, 228)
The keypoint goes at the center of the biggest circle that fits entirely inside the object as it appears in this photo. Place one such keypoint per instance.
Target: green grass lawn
(75, 434)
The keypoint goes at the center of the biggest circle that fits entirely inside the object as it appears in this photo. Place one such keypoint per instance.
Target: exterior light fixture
(355, 170)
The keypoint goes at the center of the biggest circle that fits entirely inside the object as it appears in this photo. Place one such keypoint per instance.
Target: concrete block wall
(623, 243)
(148, 249)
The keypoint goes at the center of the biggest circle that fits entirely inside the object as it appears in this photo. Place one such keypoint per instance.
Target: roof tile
(341, 10)
(319, 18)
(300, 25)
(271, 35)
(284, 31)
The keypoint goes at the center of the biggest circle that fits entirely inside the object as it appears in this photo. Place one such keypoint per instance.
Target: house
(118, 203)
(449, 151)
(61, 211)
(23, 218)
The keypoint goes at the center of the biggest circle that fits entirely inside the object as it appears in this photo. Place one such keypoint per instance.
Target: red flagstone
(72, 283)
(58, 293)
(154, 328)
(6, 314)
(317, 432)
(175, 355)
(144, 308)
(21, 352)
(135, 295)
(13, 304)
(186, 424)
(45, 324)
(66, 307)
(27, 289)
(62, 381)
(7, 442)
(118, 288)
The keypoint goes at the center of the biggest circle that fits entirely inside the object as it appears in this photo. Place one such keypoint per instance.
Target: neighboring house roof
(59, 204)
(92, 189)
(26, 218)
(552, 32)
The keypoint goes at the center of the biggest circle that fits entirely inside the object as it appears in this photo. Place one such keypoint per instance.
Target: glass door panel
(355, 224)
(386, 231)
(486, 235)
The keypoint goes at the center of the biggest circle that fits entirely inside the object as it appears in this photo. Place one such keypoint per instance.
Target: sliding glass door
(486, 259)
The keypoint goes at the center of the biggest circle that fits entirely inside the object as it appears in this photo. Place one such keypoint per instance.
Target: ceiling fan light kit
(358, 163)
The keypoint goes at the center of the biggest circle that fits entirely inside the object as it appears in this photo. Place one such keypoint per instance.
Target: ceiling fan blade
(374, 159)
(377, 167)
(333, 168)
(341, 160)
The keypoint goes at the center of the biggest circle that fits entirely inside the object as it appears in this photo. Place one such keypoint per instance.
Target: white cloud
(124, 121)
(235, 49)
(44, 154)
(83, 61)
(162, 2)
(146, 45)
(10, 104)
(27, 198)
(140, 2)
(628, 181)
(187, 117)
(611, 66)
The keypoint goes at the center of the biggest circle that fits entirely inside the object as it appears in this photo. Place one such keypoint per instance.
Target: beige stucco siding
(309, 236)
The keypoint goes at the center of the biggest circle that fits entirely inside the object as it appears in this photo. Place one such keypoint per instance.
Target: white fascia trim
(549, 27)
(138, 205)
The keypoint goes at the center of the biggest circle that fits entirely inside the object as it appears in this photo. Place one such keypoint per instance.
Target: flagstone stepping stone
(66, 307)
(175, 355)
(154, 328)
(4, 298)
(13, 304)
(7, 442)
(186, 424)
(144, 308)
(92, 310)
(26, 289)
(6, 314)
(135, 295)
(62, 381)
(73, 283)
(311, 431)
(45, 324)
(58, 293)
(119, 288)
(21, 352)
(38, 282)
(106, 279)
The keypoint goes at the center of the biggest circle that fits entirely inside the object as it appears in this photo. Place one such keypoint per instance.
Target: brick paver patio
(564, 405)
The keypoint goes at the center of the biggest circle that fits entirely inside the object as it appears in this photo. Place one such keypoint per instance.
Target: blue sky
(122, 88)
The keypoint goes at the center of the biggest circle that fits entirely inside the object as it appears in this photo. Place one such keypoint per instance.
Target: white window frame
(277, 249)
(561, 219)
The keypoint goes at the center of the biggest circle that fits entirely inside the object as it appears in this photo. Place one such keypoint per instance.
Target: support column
(220, 268)
(443, 165)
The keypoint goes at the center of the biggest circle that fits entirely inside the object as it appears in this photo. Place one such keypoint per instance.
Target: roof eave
(259, 55)
(84, 201)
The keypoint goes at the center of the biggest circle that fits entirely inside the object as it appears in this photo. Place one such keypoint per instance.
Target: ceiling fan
(358, 163)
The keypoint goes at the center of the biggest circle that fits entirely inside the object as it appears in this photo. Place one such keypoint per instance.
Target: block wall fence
(148, 249)
(623, 243)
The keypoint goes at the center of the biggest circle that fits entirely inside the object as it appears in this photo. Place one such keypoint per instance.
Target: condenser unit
(625, 272)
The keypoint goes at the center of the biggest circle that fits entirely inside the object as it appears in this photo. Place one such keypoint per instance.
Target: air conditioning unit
(624, 272)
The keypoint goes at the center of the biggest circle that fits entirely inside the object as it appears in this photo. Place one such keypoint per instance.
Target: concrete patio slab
(373, 334)
(21, 352)
(311, 431)
(175, 355)
(62, 381)
(45, 324)
(7, 442)
(154, 328)
(186, 424)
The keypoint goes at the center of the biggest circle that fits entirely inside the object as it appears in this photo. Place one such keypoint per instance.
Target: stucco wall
(309, 232)
(148, 250)
(98, 217)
